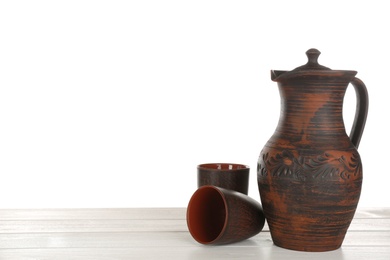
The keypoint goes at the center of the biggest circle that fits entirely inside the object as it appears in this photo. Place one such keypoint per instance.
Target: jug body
(309, 172)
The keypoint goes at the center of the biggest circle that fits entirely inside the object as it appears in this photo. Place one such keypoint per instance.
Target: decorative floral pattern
(322, 166)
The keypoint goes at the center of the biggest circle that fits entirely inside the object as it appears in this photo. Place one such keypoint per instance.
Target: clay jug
(309, 172)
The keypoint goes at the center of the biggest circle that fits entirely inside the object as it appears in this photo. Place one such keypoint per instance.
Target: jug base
(307, 247)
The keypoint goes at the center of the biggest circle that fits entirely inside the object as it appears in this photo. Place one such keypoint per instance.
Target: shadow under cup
(230, 176)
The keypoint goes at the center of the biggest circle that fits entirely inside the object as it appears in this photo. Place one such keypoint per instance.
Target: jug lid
(312, 70)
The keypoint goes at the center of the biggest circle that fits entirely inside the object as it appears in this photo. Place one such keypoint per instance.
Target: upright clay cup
(230, 176)
(219, 216)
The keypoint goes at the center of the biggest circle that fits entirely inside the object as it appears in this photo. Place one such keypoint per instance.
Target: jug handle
(361, 111)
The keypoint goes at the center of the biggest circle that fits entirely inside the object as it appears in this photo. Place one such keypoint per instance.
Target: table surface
(161, 233)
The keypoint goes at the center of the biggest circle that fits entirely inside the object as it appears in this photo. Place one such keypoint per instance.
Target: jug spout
(276, 73)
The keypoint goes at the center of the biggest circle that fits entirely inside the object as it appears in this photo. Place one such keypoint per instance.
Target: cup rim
(221, 232)
(214, 166)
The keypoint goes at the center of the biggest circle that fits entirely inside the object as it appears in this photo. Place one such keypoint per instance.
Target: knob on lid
(312, 63)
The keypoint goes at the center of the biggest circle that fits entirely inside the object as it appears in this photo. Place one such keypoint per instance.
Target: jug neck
(311, 116)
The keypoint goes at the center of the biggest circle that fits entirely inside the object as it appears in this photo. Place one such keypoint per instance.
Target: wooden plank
(86, 225)
(97, 240)
(366, 224)
(172, 253)
(372, 213)
(106, 213)
(157, 239)
(135, 213)
(139, 225)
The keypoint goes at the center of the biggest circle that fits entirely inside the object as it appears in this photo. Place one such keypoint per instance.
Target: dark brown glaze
(226, 175)
(310, 172)
(220, 216)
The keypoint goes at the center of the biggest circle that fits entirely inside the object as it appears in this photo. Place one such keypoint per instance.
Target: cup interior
(206, 214)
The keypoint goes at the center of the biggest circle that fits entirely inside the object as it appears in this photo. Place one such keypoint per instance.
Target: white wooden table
(161, 233)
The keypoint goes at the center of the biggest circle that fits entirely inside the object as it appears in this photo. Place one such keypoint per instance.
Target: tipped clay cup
(219, 216)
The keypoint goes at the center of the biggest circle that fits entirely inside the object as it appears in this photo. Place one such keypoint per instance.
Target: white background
(114, 103)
